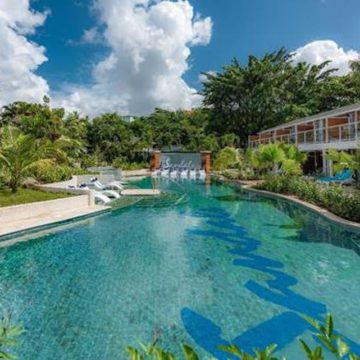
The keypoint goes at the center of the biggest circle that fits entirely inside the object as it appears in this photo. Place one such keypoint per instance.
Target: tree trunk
(14, 186)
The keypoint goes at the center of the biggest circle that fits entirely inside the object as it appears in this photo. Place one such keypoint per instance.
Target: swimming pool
(207, 265)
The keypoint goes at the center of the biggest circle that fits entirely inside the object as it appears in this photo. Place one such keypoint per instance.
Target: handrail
(325, 138)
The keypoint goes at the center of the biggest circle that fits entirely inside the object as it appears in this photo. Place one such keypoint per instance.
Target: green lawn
(23, 196)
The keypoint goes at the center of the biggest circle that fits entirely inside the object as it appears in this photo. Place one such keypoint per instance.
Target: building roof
(323, 115)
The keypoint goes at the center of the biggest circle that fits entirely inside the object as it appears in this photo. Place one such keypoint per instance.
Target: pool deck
(51, 217)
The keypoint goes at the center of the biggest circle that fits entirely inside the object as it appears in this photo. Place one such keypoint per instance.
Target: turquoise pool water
(207, 264)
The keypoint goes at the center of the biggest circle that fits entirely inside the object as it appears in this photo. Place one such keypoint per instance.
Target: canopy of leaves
(267, 91)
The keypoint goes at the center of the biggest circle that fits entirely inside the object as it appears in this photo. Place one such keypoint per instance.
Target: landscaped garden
(278, 168)
(229, 272)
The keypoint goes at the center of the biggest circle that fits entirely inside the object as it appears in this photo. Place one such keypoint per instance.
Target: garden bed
(333, 198)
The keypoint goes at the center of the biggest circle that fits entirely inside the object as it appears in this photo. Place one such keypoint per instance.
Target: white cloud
(19, 57)
(92, 36)
(150, 45)
(203, 78)
(317, 52)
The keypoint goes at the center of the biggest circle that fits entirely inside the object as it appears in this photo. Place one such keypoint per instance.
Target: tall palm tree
(18, 154)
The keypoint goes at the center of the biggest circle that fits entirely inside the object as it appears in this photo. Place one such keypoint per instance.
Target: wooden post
(206, 161)
(155, 160)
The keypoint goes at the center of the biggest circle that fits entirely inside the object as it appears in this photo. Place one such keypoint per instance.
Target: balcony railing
(339, 133)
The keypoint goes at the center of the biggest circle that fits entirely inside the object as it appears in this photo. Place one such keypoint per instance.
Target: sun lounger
(343, 177)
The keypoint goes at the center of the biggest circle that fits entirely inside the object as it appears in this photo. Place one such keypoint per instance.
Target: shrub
(342, 203)
(324, 333)
(228, 158)
(277, 157)
(275, 183)
(9, 334)
(231, 174)
(239, 174)
(120, 163)
(334, 197)
(49, 172)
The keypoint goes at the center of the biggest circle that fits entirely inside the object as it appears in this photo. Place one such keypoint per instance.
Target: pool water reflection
(219, 266)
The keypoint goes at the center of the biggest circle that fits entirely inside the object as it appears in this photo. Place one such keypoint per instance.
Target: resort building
(337, 129)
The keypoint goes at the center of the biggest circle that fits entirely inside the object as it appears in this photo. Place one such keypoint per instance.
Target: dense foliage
(9, 334)
(254, 163)
(19, 153)
(239, 100)
(328, 342)
(272, 90)
(333, 197)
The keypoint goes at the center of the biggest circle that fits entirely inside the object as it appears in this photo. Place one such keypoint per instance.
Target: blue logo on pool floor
(281, 329)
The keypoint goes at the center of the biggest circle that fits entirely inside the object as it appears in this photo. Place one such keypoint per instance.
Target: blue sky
(75, 69)
(241, 27)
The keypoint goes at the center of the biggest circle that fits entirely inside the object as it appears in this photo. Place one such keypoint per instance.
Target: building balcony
(339, 129)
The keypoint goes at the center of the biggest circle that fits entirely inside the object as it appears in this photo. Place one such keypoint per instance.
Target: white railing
(338, 133)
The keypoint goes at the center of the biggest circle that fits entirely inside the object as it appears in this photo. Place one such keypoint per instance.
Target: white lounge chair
(202, 174)
(78, 187)
(111, 186)
(111, 194)
(101, 198)
(184, 174)
(118, 182)
(192, 174)
(173, 174)
(165, 172)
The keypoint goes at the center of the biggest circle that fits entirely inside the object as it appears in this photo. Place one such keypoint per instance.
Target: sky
(130, 56)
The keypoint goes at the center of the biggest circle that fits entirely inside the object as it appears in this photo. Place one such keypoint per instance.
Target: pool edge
(52, 225)
(314, 208)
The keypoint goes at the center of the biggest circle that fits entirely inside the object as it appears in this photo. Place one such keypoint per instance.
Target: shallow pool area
(206, 264)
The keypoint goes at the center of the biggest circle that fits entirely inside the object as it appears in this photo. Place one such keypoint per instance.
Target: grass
(24, 196)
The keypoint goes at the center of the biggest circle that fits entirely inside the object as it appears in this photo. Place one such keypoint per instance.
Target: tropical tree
(267, 91)
(342, 160)
(18, 154)
(294, 158)
(271, 156)
(111, 135)
(228, 158)
(277, 157)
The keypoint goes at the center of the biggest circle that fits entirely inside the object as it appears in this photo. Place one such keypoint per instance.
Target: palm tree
(294, 158)
(275, 156)
(271, 156)
(18, 154)
(342, 160)
(228, 158)
(294, 153)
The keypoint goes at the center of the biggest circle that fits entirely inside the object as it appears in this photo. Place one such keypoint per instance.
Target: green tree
(342, 160)
(110, 135)
(277, 157)
(271, 156)
(267, 91)
(18, 154)
(228, 158)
